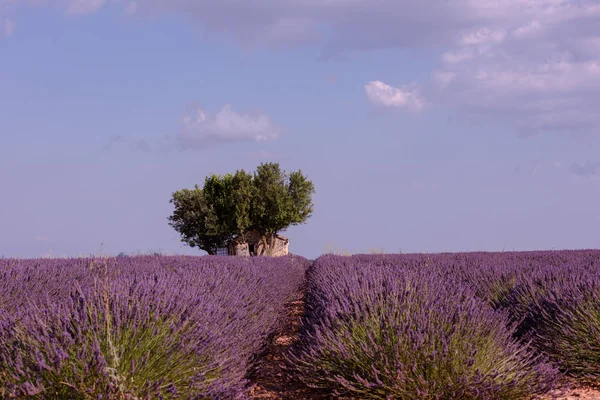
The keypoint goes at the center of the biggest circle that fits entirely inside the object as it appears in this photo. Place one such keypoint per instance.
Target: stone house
(251, 245)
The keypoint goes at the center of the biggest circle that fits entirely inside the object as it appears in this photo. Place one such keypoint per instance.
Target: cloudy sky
(426, 125)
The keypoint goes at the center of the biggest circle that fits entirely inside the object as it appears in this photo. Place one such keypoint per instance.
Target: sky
(425, 125)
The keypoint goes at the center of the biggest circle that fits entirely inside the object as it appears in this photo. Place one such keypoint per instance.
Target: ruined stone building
(251, 245)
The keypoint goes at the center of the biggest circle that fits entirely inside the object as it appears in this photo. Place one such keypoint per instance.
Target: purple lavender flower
(138, 327)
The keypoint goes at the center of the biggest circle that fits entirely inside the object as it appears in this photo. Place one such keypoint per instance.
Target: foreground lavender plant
(382, 331)
(139, 327)
(561, 315)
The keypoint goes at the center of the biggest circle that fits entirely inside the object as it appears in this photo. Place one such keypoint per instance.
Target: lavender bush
(570, 329)
(138, 327)
(381, 329)
(552, 297)
(561, 314)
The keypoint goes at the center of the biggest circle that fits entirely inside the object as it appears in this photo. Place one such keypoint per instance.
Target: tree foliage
(267, 201)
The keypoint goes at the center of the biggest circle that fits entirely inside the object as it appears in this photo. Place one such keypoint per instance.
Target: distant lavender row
(418, 326)
(138, 327)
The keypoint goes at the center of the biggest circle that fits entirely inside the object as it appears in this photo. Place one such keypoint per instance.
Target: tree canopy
(267, 201)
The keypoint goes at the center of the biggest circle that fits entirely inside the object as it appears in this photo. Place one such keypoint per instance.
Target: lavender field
(137, 327)
(512, 325)
(451, 326)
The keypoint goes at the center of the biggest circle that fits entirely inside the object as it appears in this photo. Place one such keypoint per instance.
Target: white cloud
(407, 97)
(481, 36)
(534, 63)
(200, 129)
(451, 57)
(528, 30)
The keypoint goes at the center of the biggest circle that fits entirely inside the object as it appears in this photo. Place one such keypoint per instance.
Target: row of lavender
(138, 327)
(450, 326)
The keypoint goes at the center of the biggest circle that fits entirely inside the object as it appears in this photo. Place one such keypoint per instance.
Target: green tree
(227, 206)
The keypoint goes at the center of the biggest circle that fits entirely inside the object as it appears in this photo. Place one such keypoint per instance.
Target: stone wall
(254, 246)
(279, 247)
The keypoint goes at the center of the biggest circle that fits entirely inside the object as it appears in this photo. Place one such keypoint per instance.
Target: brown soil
(269, 379)
(582, 393)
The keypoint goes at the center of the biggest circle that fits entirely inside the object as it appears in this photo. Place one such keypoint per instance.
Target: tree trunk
(270, 246)
(267, 241)
(263, 240)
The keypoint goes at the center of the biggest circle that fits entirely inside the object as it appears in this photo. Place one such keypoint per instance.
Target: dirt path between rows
(269, 378)
(573, 394)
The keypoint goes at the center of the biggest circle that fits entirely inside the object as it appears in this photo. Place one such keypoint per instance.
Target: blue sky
(425, 126)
